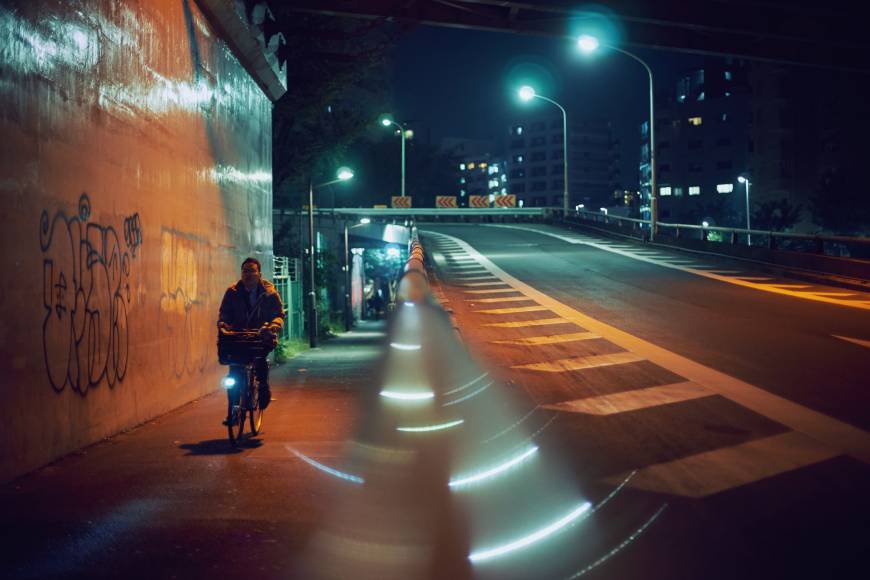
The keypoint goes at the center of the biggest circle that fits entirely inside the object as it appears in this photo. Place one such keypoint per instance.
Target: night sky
(462, 83)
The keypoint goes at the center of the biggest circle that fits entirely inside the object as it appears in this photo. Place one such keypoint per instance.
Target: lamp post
(745, 180)
(587, 43)
(386, 121)
(526, 94)
(348, 307)
(343, 175)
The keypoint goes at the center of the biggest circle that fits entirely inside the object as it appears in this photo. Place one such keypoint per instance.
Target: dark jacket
(237, 312)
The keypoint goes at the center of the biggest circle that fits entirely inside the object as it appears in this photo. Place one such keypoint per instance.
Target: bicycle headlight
(229, 382)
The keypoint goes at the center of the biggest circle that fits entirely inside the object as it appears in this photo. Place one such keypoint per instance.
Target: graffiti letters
(86, 295)
(187, 329)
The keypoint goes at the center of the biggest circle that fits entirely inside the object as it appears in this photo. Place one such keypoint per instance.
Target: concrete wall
(135, 174)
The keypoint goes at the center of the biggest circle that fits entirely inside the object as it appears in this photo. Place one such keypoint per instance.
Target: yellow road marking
(493, 291)
(551, 339)
(858, 341)
(582, 362)
(792, 286)
(524, 323)
(633, 400)
(512, 310)
(716, 471)
(833, 293)
(502, 299)
(832, 432)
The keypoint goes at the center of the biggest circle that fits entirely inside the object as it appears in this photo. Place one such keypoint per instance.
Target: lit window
(682, 98)
(503, 177)
(724, 117)
(678, 191)
(491, 197)
(493, 183)
(727, 93)
(520, 158)
(482, 165)
(701, 96)
(504, 191)
(462, 167)
(695, 190)
(470, 165)
(519, 130)
(492, 169)
(727, 75)
(665, 190)
(725, 187)
(695, 121)
(461, 192)
(461, 180)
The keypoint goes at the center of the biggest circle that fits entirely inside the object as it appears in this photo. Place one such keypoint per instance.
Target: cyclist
(252, 303)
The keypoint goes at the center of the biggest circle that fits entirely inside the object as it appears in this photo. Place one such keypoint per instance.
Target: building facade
(535, 154)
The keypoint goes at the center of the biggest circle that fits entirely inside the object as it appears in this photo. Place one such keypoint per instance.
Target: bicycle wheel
(236, 428)
(256, 413)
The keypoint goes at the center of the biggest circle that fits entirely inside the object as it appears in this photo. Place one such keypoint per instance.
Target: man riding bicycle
(252, 303)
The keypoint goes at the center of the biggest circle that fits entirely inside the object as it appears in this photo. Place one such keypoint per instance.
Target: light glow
(229, 382)
(428, 428)
(403, 346)
(326, 469)
(587, 43)
(344, 173)
(495, 470)
(365, 221)
(544, 532)
(526, 93)
(400, 396)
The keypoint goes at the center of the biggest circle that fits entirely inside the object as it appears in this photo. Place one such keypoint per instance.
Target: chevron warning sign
(506, 200)
(402, 202)
(478, 201)
(446, 201)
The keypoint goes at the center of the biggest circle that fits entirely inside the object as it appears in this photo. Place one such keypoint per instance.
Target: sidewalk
(173, 499)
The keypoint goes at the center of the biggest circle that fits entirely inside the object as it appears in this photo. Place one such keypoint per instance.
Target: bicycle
(240, 350)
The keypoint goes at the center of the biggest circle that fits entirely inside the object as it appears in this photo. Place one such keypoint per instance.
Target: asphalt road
(731, 404)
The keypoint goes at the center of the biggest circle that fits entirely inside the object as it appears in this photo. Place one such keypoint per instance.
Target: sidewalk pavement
(172, 498)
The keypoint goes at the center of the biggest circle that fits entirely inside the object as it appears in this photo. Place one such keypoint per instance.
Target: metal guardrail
(432, 211)
(839, 246)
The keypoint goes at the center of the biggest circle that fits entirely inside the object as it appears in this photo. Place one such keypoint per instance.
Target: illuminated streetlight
(364, 221)
(343, 174)
(386, 121)
(527, 93)
(745, 180)
(588, 44)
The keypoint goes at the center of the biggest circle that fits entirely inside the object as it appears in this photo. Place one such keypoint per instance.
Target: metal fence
(288, 281)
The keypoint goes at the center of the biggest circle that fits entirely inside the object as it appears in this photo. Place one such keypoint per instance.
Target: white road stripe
(493, 291)
(512, 310)
(499, 299)
(582, 362)
(525, 323)
(716, 471)
(858, 341)
(835, 433)
(549, 339)
(633, 400)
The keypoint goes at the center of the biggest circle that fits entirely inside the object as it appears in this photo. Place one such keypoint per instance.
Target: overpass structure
(785, 31)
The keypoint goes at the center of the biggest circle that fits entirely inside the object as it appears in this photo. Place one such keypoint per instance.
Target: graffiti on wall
(86, 294)
(187, 328)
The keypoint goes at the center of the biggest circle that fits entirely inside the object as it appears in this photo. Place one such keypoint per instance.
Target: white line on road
(582, 362)
(858, 341)
(633, 400)
(549, 339)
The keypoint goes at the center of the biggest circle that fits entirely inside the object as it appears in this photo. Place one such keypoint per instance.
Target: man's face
(250, 275)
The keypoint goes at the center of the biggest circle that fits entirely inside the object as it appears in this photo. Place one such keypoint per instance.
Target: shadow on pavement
(219, 447)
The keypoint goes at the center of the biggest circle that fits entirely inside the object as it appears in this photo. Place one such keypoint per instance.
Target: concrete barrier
(135, 171)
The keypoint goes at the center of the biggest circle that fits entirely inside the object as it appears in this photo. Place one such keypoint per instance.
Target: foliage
(379, 264)
(288, 348)
(337, 86)
(776, 215)
(840, 204)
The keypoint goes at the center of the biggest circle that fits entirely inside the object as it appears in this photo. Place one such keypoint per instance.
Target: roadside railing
(857, 248)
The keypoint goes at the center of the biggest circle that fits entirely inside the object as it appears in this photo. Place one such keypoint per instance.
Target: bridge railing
(837, 246)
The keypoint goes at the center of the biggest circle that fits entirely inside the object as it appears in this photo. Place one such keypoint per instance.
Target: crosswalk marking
(550, 339)
(712, 472)
(828, 430)
(493, 291)
(495, 282)
(582, 362)
(524, 323)
(633, 400)
(502, 299)
(475, 277)
(512, 310)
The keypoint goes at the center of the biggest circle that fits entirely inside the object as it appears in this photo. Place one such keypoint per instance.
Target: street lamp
(745, 180)
(386, 121)
(348, 307)
(526, 94)
(343, 174)
(587, 44)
